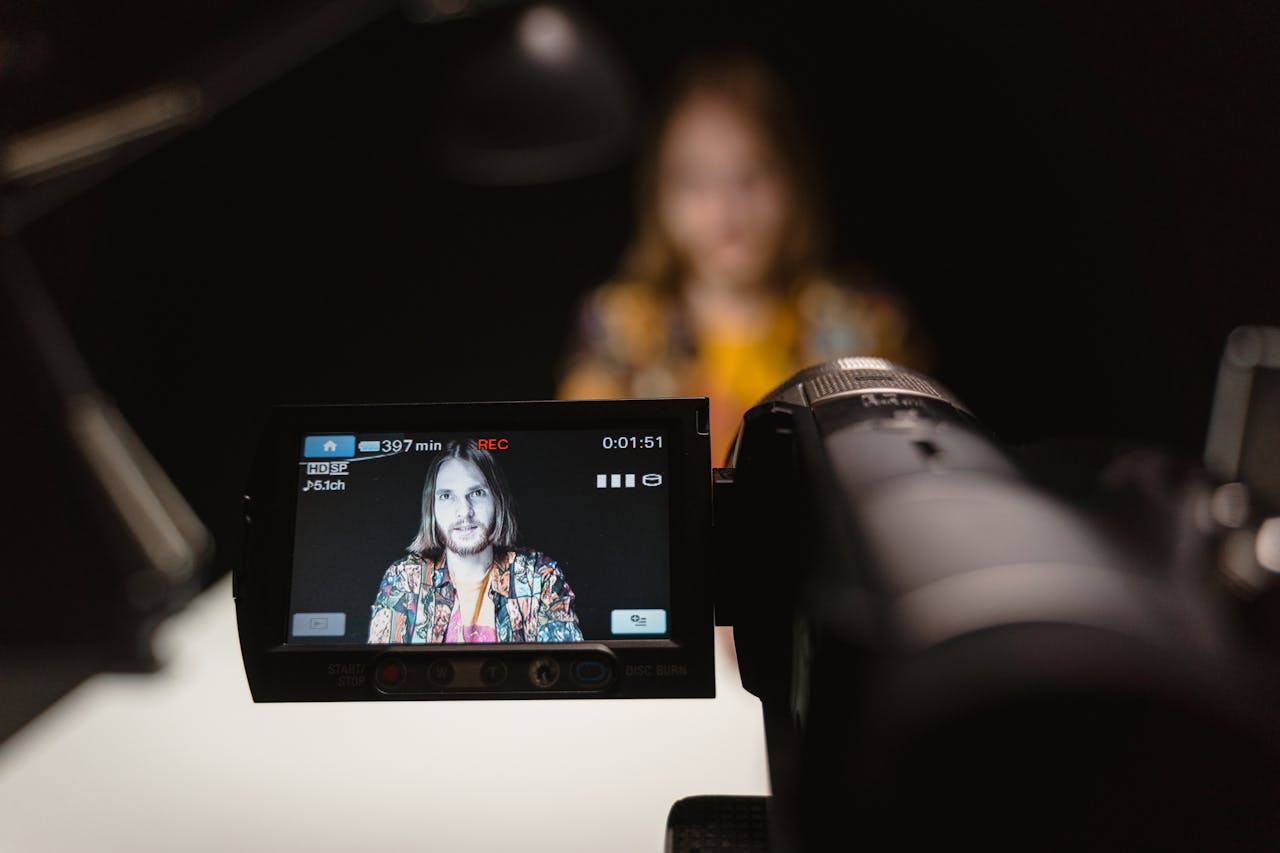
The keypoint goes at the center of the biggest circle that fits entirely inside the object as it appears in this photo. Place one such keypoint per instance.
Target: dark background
(1078, 200)
(611, 544)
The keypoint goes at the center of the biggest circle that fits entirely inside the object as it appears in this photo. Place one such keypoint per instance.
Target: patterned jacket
(532, 602)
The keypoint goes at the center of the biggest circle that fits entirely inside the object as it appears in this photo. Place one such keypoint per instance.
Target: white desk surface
(183, 760)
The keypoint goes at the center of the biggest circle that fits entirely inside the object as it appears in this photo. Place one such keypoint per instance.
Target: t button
(493, 673)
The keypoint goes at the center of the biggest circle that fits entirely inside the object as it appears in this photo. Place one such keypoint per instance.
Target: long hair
(762, 100)
(504, 533)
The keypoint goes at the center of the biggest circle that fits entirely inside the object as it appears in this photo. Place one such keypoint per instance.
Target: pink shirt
(456, 633)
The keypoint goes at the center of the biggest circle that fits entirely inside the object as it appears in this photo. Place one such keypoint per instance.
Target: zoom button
(440, 673)
(493, 673)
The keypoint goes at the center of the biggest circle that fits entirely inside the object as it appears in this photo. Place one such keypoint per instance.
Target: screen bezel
(282, 671)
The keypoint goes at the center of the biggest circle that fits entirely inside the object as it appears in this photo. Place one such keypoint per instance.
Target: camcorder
(953, 641)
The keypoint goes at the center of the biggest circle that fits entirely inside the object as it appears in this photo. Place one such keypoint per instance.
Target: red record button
(390, 673)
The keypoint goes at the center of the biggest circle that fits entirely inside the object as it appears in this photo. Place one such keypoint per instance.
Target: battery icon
(372, 446)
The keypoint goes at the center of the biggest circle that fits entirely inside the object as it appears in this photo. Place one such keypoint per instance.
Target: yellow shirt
(634, 341)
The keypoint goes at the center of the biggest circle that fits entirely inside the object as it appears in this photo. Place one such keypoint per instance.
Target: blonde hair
(758, 96)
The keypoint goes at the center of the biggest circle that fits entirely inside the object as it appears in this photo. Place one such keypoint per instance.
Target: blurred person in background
(725, 291)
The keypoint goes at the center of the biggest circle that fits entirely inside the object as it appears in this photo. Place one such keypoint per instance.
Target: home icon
(329, 446)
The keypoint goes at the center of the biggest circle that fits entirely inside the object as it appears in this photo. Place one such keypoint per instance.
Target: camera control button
(440, 673)
(638, 622)
(390, 673)
(591, 673)
(319, 624)
(493, 673)
(327, 446)
(544, 672)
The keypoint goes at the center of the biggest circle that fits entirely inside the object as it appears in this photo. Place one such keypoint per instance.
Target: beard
(467, 544)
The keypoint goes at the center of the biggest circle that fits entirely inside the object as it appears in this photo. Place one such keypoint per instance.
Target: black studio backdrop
(1079, 204)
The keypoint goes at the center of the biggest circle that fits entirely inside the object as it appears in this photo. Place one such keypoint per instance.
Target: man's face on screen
(463, 507)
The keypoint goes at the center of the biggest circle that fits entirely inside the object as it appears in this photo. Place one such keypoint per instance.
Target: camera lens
(843, 377)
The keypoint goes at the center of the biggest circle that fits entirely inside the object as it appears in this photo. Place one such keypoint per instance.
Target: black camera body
(975, 654)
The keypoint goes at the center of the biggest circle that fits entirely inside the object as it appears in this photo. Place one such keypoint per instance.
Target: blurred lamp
(542, 98)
